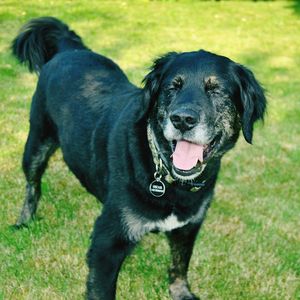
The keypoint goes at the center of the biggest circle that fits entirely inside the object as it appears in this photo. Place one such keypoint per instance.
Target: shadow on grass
(295, 5)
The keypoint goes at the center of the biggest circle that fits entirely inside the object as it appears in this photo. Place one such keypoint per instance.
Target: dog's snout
(184, 119)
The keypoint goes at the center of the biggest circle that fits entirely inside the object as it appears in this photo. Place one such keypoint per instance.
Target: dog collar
(158, 158)
(160, 162)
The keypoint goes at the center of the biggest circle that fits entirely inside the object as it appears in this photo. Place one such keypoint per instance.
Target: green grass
(249, 247)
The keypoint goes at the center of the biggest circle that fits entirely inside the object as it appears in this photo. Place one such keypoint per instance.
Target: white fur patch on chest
(136, 225)
(168, 224)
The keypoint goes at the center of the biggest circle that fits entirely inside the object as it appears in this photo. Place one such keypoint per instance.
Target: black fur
(252, 99)
(40, 39)
(85, 104)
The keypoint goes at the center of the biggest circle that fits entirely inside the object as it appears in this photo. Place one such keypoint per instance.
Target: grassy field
(249, 247)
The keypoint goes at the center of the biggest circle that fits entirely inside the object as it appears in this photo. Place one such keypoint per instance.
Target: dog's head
(198, 102)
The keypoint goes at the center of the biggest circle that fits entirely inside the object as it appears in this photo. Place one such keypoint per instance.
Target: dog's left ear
(251, 99)
(153, 79)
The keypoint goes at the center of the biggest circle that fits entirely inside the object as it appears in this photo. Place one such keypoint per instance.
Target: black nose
(184, 119)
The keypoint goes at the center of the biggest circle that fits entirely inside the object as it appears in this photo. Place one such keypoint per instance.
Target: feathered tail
(40, 39)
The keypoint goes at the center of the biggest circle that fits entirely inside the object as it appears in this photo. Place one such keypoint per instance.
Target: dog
(151, 155)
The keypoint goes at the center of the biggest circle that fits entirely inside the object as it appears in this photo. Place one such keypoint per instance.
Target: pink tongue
(186, 155)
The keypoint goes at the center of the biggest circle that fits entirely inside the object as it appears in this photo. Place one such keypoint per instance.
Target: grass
(249, 245)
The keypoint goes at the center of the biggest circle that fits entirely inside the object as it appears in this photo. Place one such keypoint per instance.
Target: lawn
(249, 247)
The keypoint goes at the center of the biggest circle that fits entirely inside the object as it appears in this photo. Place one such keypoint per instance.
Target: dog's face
(198, 102)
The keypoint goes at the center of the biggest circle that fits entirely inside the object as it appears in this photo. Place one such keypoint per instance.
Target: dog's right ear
(153, 79)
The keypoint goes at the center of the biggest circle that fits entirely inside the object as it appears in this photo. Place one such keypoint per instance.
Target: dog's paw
(191, 297)
(19, 226)
(179, 290)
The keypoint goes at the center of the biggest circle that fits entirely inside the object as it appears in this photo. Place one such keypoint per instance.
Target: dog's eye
(177, 83)
(211, 85)
(173, 87)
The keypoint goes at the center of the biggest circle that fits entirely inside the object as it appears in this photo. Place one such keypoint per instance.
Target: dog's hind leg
(181, 242)
(40, 145)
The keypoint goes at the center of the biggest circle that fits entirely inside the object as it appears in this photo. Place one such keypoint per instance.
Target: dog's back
(70, 74)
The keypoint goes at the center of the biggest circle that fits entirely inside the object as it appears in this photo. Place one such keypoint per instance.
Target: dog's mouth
(189, 158)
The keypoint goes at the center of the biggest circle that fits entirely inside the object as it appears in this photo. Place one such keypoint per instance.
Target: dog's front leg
(181, 242)
(108, 250)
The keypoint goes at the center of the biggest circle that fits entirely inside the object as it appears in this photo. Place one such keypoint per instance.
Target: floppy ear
(252, 101)
(153, 79)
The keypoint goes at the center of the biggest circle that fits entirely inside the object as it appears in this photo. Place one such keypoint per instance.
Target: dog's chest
(167, 224)
(136, 225)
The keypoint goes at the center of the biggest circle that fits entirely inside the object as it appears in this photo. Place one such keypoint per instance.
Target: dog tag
(157, 188)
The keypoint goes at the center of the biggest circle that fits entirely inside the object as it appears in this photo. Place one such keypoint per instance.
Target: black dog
(151, 155)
